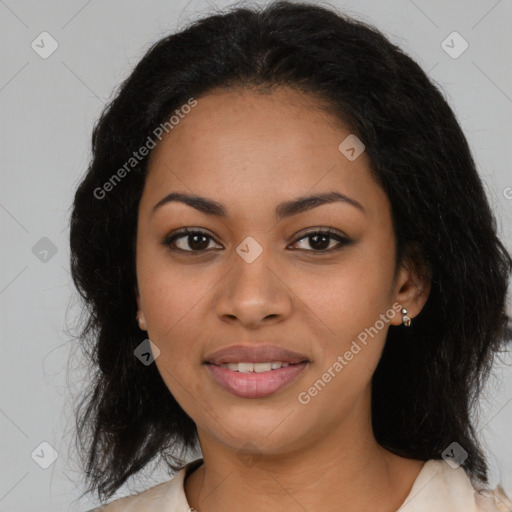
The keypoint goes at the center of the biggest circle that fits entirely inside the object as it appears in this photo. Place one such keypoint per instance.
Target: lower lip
(255, 385)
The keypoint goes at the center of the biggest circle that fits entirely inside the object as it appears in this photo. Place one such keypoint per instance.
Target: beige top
(437, 488)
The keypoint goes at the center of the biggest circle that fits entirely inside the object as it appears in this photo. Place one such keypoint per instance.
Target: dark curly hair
(430, 374)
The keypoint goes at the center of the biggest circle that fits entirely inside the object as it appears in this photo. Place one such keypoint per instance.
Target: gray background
(48, 107)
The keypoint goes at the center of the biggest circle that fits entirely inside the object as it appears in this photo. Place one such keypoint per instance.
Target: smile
(255, 380)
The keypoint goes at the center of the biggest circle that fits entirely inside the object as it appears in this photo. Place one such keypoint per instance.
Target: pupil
(202, 245)
(322, 245)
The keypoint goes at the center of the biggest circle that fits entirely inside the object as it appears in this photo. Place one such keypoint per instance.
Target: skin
(250, 152)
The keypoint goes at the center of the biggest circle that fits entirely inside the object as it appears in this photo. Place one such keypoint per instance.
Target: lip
(255, 385)
(254, 354)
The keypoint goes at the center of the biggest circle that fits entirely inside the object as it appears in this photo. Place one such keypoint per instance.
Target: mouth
(259, 367)
(255, 370)
(255, 380)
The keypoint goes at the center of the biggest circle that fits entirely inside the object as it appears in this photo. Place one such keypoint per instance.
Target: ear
(411, 291)
(140, 314)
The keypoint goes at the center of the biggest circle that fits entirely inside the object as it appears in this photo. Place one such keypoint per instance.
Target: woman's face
(254, 277)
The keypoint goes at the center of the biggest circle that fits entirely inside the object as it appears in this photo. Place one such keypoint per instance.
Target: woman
(289, 259)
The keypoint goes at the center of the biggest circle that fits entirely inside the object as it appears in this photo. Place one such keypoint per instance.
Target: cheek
(350, 297)
(346, 304)
(175, 368)
(172, 295)
(174, 303)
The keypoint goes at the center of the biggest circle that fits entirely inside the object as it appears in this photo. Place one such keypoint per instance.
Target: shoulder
(494, 500)
(441, 487)
(167, 496)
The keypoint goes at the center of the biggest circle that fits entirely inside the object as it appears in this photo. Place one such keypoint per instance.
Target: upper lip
(254, 354)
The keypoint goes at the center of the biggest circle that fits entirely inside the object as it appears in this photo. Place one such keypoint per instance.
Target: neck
(343, 469)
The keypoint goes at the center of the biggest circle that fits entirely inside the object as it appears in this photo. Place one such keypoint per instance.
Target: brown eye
(187, 240)
(320, 241)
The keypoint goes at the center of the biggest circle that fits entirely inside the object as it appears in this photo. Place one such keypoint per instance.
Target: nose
(254, 294)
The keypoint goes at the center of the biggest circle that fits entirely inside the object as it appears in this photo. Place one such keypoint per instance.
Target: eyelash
(170, 239)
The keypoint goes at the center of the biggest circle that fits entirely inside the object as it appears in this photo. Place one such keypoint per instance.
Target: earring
(142, 325)
(405, 319)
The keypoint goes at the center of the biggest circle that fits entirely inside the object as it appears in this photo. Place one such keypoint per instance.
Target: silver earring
(405, 319)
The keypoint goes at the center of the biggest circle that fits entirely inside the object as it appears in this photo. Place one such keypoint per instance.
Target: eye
(321, 239)
(196, 240)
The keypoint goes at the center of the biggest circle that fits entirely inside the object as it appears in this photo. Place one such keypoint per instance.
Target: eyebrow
(283, 210)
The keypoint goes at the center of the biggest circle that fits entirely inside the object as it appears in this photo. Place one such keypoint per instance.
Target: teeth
(245, 367)
(255, 367)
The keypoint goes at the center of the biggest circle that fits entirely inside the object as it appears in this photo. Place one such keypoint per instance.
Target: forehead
(244, 145)
(242, 122)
